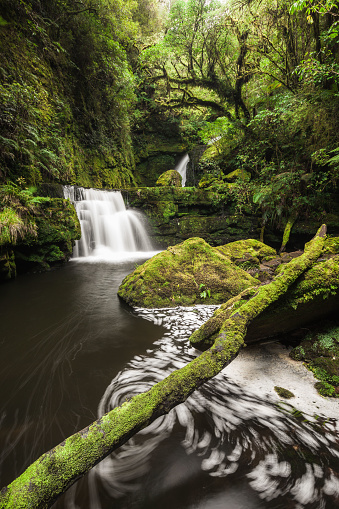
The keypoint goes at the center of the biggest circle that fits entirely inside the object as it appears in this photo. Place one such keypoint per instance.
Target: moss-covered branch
(58, 469)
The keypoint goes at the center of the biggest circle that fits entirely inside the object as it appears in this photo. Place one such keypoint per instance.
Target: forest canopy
(87, 85)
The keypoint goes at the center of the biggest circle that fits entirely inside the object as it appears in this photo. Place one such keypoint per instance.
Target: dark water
(70, 352)
(63, 336)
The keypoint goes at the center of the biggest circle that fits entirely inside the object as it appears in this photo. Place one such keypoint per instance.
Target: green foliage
(204, 292)
(309, 6)
(67, 92)
(17, 209)
(321, 353)
(325, 389)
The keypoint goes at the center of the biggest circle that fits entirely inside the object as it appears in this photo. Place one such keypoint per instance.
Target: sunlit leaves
(309, 6)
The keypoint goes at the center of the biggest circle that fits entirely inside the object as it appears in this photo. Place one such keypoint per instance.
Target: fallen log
(312, 297)
(55, 471)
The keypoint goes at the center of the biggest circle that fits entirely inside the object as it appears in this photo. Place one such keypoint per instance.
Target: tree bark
(55, 471)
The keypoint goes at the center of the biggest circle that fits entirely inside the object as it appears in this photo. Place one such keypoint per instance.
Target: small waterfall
(108, 229)
(181, 168)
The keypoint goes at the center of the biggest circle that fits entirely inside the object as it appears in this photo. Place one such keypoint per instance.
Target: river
(70, 351)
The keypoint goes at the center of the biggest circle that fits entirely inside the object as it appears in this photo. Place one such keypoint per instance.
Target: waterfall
(181, 168)
(108, 229)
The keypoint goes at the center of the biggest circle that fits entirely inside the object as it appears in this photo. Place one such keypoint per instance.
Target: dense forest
(110, 94)
(89, 89)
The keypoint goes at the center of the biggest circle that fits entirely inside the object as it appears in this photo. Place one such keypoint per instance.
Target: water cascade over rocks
(108, 229)
(181, 168)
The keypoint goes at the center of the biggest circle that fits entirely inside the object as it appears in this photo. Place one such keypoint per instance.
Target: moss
(283, 393)
(298, 353)
(287, 231)
(325, 389)
(176, 276)
(238, 174)
(322, 280)
(211, 153)
(272, 320)
(331, 245)
(57, 229)
(170, 178)
(320, 351)
(247, 250)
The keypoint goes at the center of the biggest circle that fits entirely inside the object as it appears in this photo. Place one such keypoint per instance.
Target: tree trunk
(55, 471)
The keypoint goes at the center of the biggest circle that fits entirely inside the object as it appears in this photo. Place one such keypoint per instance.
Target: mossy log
(55, 471)
(314, 296)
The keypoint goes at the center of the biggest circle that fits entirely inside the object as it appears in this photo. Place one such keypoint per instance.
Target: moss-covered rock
(320, 352)
(213, 183)
(283, 393)
(238, 174)
(247, 253)
(179, 213)
(170, 178)
(188, 273)
(57, 228)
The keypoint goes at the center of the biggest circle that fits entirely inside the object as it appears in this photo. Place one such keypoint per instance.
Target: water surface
(71, 351)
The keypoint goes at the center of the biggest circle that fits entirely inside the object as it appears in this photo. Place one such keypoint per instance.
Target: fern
(333, 161)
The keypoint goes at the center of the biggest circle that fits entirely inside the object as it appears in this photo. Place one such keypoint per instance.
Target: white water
(109, 232)
(181, 168)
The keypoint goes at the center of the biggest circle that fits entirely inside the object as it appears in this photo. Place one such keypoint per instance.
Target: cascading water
(108, 229)
(181, 168)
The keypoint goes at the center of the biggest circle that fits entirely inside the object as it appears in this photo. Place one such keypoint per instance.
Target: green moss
(204, 336)
(283, 393)
(325, 389)
(320, 351)
(247, 250)
(211, 153)
(238, 174)
(176, 276)
(298, 353)
(331, 245)
(322, 280)
(57, 229)
(170, 178)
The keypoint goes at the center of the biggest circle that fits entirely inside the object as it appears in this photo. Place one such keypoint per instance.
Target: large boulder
(170, 178)
(189, 273)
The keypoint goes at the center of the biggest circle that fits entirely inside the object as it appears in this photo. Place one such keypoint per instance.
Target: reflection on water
(63, 336)
(68, 345)
(224, 447)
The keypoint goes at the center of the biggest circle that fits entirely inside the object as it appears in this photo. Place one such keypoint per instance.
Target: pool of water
(70, 351)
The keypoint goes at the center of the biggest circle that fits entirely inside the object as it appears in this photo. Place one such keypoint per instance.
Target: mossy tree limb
(55, 471)
(287, 231)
